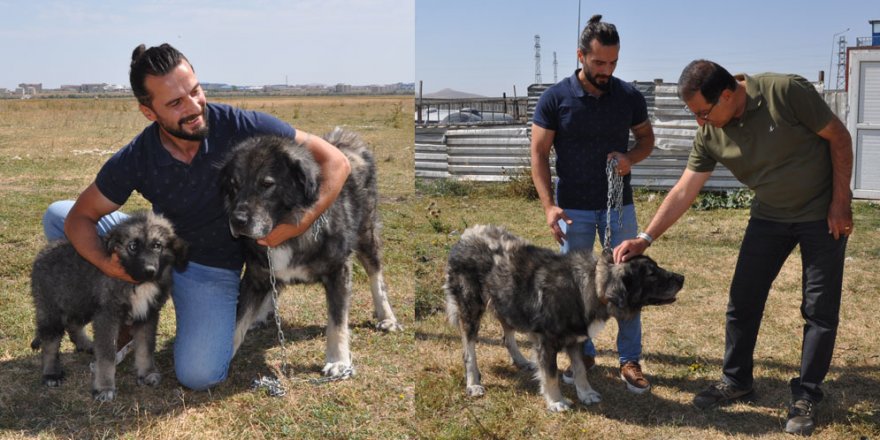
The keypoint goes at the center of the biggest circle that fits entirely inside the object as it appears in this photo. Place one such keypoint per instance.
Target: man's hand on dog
(629, 249)
(115, 270)
(283, 232)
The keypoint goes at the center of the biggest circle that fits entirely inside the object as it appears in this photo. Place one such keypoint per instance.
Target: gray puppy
(69, 292)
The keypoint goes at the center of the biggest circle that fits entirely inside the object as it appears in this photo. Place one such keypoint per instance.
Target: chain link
(273, 385)
(281, 339)
(615, 199)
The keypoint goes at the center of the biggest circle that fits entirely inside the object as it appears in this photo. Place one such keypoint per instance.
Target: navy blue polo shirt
(587, 129)
(189, 194)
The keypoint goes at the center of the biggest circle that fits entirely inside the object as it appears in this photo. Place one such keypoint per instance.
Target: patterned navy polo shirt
(189, 194)
(587, 129)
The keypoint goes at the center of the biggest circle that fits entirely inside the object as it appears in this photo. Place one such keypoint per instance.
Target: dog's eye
(268, 182)
(133, 246)
(156, 246)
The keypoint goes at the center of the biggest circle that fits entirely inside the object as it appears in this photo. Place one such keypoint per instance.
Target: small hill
(451, 94)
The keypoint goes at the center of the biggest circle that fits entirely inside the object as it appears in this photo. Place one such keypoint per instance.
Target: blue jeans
(205, 300)
(581, 234)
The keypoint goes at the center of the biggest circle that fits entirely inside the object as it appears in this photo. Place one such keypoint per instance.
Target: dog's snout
(150, 271)
(239, 218)
(679, 278)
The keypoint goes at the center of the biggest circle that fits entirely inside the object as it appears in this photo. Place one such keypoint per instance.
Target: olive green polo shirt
(773, 148)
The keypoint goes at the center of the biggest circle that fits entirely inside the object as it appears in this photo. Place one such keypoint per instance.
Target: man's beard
(198, 135)
(595, 83)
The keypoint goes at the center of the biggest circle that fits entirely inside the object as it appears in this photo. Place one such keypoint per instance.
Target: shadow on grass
(28, 408)
(851, 388)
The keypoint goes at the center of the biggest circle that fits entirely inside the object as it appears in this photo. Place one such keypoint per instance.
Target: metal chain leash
(273, 385)
(615, 200)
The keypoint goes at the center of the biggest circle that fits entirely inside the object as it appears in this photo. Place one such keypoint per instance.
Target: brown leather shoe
(124, 336)
(631, 373)
(568, 375)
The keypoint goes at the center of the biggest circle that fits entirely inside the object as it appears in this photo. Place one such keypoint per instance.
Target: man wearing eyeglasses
(587, 118)
(777, 135)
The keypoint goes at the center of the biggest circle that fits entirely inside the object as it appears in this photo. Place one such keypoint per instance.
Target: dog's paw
(151, 379)
(53, 380)
(338, 370)
(560, 406)
(389, 325)
(526, 365)
(589, 396)
(475, 390)
(104, 396)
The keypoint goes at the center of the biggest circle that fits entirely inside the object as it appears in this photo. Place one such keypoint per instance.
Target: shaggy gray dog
(69, 292)
(269, 180)
(558, 300)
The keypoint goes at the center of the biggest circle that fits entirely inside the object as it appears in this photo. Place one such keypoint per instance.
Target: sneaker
(631, 373)
(801, 418)
(721, 394)
(568, 374)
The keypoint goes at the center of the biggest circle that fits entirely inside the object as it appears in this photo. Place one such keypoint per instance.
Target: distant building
(216, 87)
(37, 87)
(94, 88)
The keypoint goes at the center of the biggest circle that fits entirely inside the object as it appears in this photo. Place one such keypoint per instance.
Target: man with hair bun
(587, 118)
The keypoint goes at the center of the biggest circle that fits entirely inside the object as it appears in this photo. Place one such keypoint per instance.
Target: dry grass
(683, 343)
(51, 150)
(410, 385)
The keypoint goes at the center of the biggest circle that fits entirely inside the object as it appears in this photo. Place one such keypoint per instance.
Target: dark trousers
(764, 249)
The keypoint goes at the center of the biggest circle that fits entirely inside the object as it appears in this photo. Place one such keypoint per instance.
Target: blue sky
(487, 46)
(254, 42)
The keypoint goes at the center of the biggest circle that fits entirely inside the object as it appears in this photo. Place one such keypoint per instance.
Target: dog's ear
(180, 248)
(609, 281)
(305, 173)
(114, 240)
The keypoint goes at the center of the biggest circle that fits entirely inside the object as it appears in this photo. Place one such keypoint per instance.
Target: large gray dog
(558, 300)
(69, 292)
(270, 180)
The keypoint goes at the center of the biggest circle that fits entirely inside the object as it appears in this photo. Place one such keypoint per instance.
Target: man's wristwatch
(646, 237)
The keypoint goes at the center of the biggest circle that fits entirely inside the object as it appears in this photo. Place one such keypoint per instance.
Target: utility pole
(831, 61)
(841, 63)
(555, 65)
(538, 59)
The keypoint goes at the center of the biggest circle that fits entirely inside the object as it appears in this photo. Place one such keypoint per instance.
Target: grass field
(51, 149)
(683, 343)
(411, 384)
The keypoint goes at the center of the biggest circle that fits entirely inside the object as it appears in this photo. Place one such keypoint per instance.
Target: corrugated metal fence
(495, 153)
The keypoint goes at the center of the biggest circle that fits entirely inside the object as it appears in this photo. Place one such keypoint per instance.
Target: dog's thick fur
(69, 292)
(559, 300)
(272, 180)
